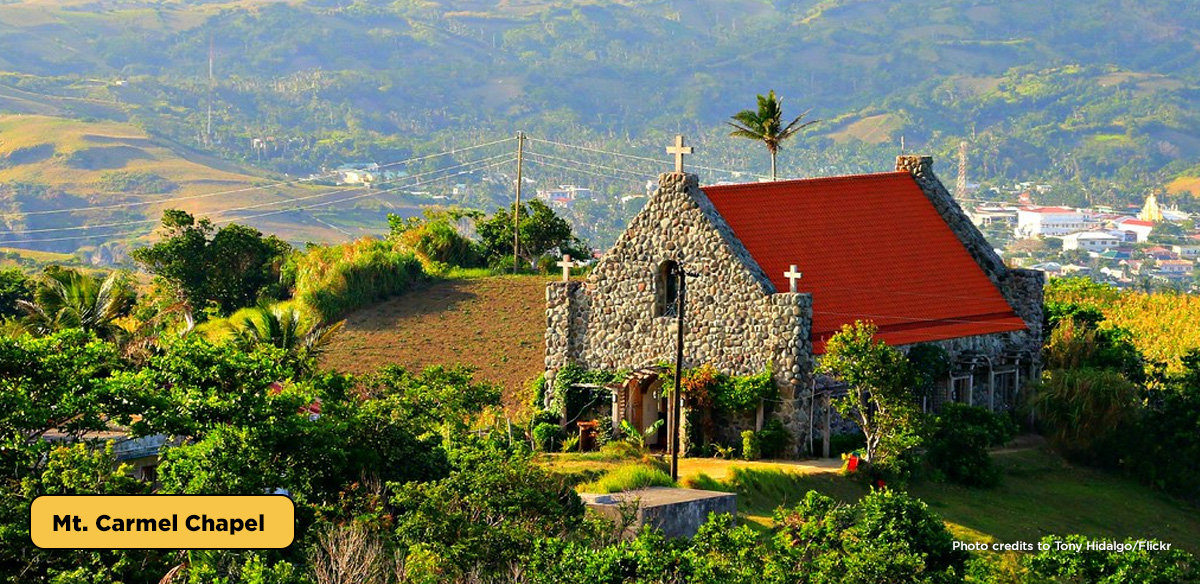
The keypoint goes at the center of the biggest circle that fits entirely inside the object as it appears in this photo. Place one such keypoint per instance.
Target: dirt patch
(496, 325)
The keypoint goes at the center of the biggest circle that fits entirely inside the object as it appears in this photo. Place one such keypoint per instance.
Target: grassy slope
(74, 156)
(495, 324)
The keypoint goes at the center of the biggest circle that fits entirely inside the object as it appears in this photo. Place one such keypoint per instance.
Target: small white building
(1187, 252)
(1096, 241)
(1051, 221)
(1139, 227)
(1181, 267)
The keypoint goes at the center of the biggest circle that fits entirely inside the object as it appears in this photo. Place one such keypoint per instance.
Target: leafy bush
(334, 280)
(628, 478)
(750, 445)
(773, 439)
(436, 241)
(1131, 565)
(547, 436)
(959, 441)
(135, 182)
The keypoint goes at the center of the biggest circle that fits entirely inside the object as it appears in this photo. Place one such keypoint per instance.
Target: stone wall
(735, 321)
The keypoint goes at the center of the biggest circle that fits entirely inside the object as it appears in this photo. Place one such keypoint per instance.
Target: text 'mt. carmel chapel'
(893, 248)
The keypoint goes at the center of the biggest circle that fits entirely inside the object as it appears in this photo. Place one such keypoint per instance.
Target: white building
(1139, 227)
(1096, 241)
(1051, 221)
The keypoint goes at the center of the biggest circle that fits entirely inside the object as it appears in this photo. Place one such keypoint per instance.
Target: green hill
(1099, 97)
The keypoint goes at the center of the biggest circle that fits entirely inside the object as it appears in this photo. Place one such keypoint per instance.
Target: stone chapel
(778, 268)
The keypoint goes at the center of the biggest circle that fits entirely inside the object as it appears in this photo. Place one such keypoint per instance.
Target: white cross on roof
(679, 150)
(793, 275)
(567, 264)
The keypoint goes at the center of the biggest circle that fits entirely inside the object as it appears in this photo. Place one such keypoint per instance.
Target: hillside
(494, 324)
(1097, 97)
(57, 174)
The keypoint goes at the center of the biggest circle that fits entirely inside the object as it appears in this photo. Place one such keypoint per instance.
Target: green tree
(283, 328)
(66, 299)
(879, 398)
(542, 232)
(227, 268)
(766, 125)
(14, 286)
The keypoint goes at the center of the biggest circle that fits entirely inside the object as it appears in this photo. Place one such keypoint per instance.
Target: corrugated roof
(871, 247)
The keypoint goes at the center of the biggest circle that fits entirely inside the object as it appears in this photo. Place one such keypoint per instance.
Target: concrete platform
(677, 512)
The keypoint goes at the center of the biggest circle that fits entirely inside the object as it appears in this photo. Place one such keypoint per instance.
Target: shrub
(773, 439)
(334, 280)
(959, 441)
(751, 447)
(546, 436)
(628, 478)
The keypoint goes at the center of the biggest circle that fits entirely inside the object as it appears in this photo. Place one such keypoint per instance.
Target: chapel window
(666, 289)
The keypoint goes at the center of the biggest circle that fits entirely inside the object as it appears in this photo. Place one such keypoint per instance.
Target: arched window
(666, 289)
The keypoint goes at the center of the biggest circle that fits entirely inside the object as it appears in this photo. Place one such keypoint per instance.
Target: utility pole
(517, 206)
(960, 188)
(677, 398)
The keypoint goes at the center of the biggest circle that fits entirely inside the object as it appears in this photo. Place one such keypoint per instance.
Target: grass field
(496, 324)
(1041, 495)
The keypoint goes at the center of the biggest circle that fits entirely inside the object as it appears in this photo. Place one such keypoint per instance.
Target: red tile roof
(1138, 222)
(871, 247)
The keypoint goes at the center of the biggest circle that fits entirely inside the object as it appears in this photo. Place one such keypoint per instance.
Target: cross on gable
(679, 150)
(567, 264)
(793, 275)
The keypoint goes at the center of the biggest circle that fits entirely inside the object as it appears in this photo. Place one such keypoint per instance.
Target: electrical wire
(375, 192)
(329, 174)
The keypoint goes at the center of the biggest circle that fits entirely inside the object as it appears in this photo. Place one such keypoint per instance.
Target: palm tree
(766, 125)
(284, 328)
(66, 299)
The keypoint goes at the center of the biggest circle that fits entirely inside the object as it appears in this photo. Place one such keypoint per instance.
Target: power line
(609, 168)
(255, 188)
(370, 193)
(644, 158)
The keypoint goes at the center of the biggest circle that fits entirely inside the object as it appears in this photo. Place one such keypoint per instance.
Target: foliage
(957, 444)
(438, 399)
(930, 363)
(541, 232)
(1081, 408)
(750, 446)
(1133, 564)
(334, 280)
(1162, 449)
(227, 268)
(766, 125)
(283, 328)
(570, 400)
(1162, 326)
(547, 435)
(135, 182)
(489, 511)
(436, 240)
(67, 299)
(879, 398)
(636, 437)
(14, 286)
(770, 442)
(629, 477)
(887, 537)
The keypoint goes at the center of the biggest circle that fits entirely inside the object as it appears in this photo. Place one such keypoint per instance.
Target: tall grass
(628, 478)
(334, 280)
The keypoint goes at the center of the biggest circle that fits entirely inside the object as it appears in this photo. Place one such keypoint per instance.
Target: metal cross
(793, 275)
(679, 150)
(567, 264)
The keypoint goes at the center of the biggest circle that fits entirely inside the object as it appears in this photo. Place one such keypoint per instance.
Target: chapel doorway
(645, 404)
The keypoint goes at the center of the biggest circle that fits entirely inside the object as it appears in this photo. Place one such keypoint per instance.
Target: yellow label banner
(162, 521)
